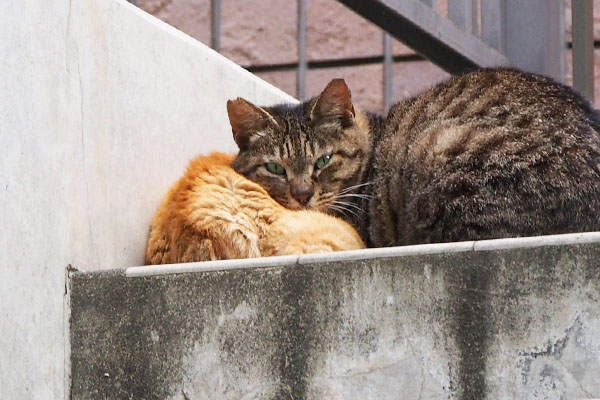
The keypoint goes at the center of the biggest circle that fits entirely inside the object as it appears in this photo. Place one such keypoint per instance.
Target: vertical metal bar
(387, 72)
(464, 14)
(556, 61)
(534, 36)
(583, 47)
(492, 23)
(302, 62)
(215, 26)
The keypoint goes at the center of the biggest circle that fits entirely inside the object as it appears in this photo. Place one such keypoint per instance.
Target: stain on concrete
(470, 310)
(503, 324)
(142, 367)
(296, 335)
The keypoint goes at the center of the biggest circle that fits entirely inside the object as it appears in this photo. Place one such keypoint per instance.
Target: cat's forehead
(296, 134)
(293, 124)
(286, 110)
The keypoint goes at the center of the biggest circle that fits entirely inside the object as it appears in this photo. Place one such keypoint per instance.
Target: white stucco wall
(101, 107)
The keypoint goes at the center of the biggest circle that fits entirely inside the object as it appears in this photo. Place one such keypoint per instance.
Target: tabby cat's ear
(335, 101)
(247, 121)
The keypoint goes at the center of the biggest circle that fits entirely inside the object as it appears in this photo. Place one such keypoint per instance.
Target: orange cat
(213, 213)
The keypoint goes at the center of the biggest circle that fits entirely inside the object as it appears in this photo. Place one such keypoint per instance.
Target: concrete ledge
(504, 319)
(355, 255)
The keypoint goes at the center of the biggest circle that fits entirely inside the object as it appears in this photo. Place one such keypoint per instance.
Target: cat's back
(208, 214)
(492, 153)
(496, 98)
(211, 189)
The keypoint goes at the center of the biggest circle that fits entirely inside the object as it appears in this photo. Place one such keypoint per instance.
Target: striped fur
(488, 154)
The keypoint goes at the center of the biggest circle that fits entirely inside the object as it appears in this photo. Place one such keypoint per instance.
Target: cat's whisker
(359, 185)
(353, 187)
(333, 207)
(357, 195)
(324, 198)
(342, 210)
(348, 204)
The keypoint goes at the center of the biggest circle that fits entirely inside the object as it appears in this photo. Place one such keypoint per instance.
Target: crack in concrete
(82, 116)
(422, 364)
(422, 383)
(67, 30)
(85, 178)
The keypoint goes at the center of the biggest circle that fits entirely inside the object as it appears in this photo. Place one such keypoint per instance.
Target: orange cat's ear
(334, 101)
(247, 120)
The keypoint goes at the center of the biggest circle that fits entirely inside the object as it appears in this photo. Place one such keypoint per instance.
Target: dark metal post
(583, 47)
(215, 27)
(464, 14)
(428, 33)
(302, 62)
(492, 23)
(535, 36)
(387, 71)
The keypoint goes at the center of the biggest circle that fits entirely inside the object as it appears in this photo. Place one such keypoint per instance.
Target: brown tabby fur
(213, 213)
(488, 154)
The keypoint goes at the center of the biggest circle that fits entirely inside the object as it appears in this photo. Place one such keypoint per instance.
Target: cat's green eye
(275, 168)
(322, 161)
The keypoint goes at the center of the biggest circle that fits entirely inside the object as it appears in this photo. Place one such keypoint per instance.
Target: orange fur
(213, 213)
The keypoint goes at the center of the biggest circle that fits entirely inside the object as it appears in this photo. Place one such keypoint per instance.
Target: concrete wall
(499, 319)
(102, 106)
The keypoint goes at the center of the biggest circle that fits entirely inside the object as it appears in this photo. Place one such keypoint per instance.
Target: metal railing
(477, 33)
(473, 33)
(583, 47)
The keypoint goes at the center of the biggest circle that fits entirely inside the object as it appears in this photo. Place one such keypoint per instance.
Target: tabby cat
(487, 154)
(213, 213)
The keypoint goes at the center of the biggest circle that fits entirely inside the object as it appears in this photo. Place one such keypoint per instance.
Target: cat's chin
(298, 207)
(310, 207)
(294, 205)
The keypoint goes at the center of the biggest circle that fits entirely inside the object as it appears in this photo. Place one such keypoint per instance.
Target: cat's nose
(302, 191)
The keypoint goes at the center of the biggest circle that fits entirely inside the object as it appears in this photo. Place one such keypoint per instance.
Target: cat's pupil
(275, 168)
(322, 161)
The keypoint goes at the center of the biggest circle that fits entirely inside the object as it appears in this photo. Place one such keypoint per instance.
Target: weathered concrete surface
(518, 323)
(101, 108)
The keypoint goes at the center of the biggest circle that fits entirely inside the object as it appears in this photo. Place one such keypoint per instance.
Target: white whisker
(342, 205)
(357, 195)
(338, 209)
(351, 188)
(348, 204)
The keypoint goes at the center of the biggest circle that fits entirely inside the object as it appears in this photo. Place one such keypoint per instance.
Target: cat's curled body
(213, 213)
(488, 154)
